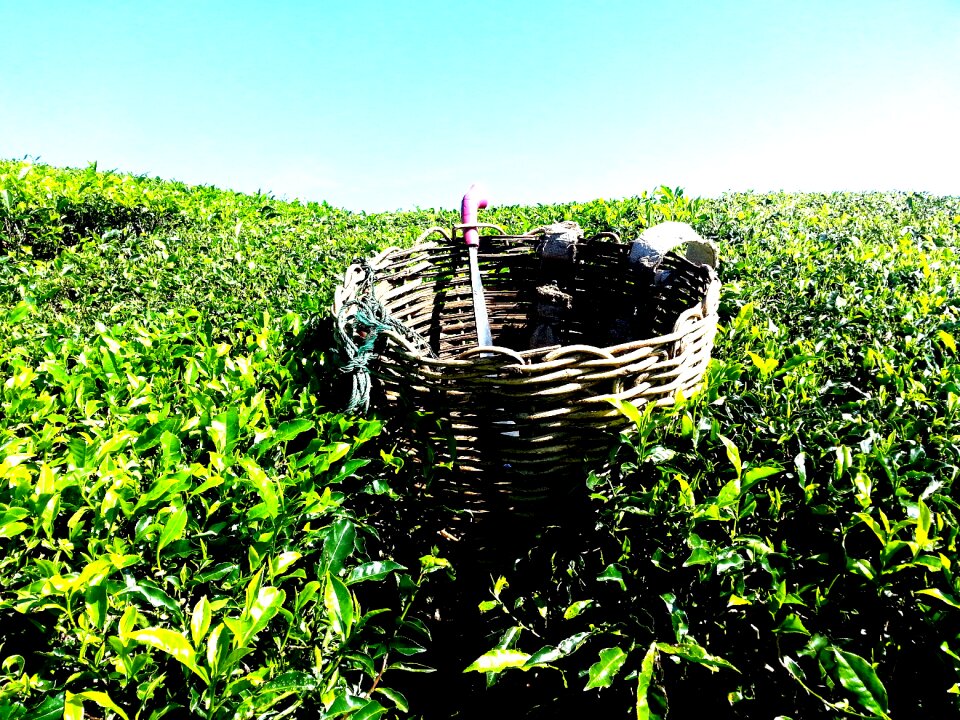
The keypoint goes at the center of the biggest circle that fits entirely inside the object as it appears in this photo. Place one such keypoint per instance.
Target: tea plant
(189, 525)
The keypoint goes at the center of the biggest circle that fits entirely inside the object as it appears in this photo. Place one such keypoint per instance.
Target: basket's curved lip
(486, 351)
(700, 317)
(612, 356)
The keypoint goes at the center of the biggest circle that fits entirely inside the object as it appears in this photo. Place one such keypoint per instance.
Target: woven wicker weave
(520, 417)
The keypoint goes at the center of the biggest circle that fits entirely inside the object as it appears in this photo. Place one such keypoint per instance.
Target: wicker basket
(510, 420)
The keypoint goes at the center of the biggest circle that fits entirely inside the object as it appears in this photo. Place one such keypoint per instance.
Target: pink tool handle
(475, 199)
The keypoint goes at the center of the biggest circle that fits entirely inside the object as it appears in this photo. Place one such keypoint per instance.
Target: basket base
(492, 526)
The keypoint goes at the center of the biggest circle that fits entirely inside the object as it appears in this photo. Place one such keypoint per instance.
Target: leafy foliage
(189, 526)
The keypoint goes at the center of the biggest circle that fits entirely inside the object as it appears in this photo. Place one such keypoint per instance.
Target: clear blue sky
(387, 105)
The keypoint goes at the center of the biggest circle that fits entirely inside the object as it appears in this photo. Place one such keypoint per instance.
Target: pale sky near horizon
(388, 105)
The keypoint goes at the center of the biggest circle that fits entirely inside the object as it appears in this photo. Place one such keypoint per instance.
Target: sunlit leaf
(292, 428)
(576, 608)
(695, 654)
(338, 545)
(733, 454)
(52, 708)
(200, 620)
(375, 570)
(224, 429)
(644, 680)
(498, 660)
(859, 677)
(948, 340)
(173, 528)
(612, 573)
(264, 485)
(339, 603)
(173, 644)
(74, 703)
(939, 595)
(605, 669)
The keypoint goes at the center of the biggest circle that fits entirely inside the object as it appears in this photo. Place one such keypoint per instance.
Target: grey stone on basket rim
(560, 241)
(655, 242)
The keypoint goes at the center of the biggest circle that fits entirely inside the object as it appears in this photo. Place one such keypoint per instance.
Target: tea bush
(189, 525)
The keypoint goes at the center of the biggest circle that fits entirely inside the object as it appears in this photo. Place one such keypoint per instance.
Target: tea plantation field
(190, 526)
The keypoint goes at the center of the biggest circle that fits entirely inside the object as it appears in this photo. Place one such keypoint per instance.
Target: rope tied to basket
(368, 319)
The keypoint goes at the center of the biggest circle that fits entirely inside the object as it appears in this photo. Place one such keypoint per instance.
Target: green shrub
(190, 526)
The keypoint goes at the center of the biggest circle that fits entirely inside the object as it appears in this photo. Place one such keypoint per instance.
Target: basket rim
(631, 351)
(700, 317)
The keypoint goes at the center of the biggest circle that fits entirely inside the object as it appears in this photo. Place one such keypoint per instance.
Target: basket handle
(476, 226)
(655, 242)
(430, 231)
(474, 200)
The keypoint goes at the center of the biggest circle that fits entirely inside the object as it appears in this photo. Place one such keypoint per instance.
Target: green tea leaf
(939, 595)
(754, 474)
(283, 561)
(696, 654)
(50, 709)
(19, 312)
(338, 545)
(729, 493)
(733, 455)
(548, 654)
(291, 429)
(217, 572)
(395, 697)
(498, 660)
(173, 644)
(629, 410)
(678, 618)
(793, 667)
(200, 620)
(859, 677)
(79, 451)
(376, 570)
(644, 680)
(764, 365)
(431, 563)
(152, 435)
(12, 528)
(792, 624)
(306, 595)
(149, 591)
(924, 519)
(612, 573)
(225, 429)
(576, 608)
(604, 670)
(171, 450)
(96, 604)
(369, 711)
(73, 708)
(173, 528)
(268, 602)
(292, 680)
(339, 603)
(265, 486)
(100, 698)
(700, 556)
(216, 643)
(345, 703)
(948, 340)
